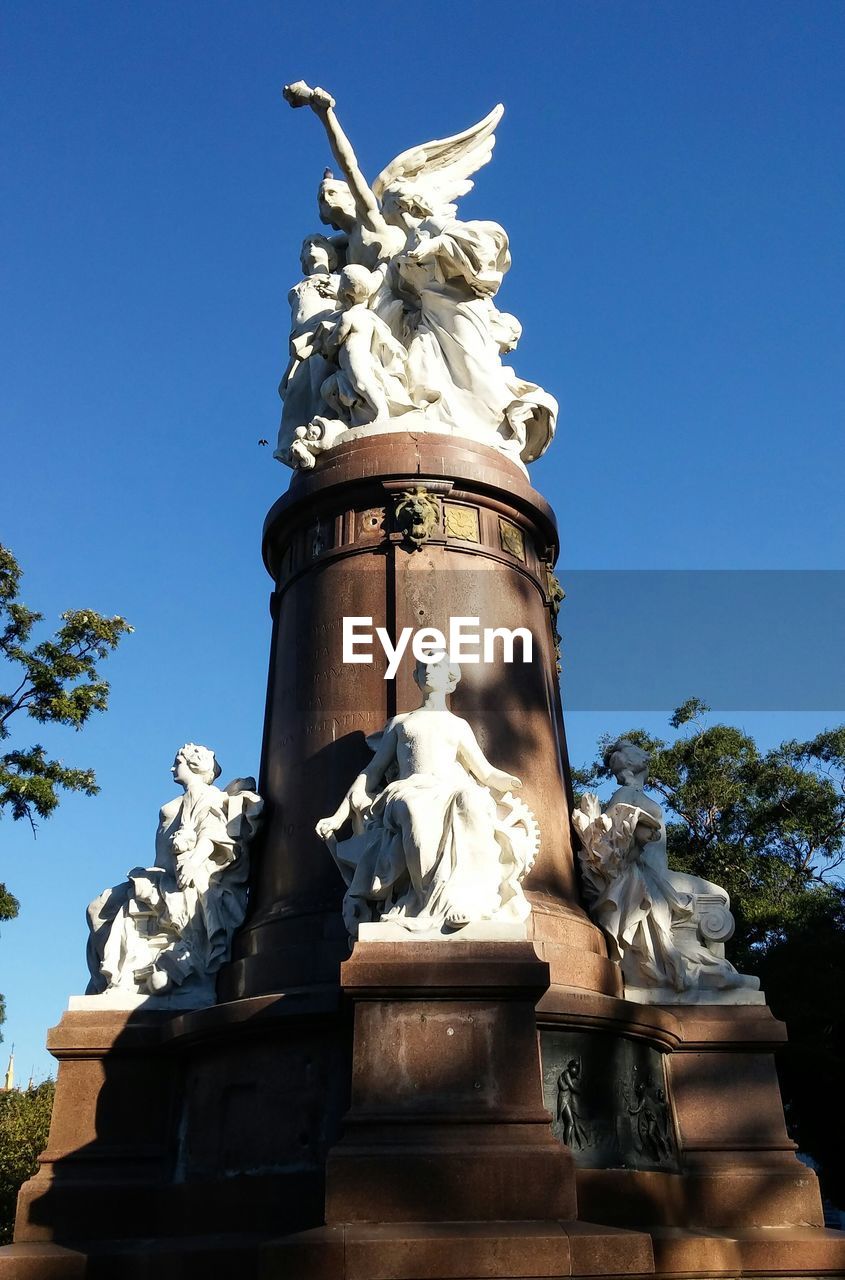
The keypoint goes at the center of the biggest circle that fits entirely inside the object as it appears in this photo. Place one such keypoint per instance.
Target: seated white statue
(666, 929)
(438, 841)
(170, 926)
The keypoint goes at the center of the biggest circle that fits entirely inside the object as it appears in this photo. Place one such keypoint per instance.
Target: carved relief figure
(171, 925)
(649, 1107)
(438, 840)
(664, 928)
(436, 277)
(573, 1130)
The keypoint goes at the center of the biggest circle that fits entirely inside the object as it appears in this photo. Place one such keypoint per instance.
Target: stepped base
(445, 1139)
(446, 1251)
(209, 1257)
(459, 1251)
(784, 1251)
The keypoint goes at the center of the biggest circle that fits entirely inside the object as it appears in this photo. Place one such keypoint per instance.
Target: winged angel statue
(394, 325)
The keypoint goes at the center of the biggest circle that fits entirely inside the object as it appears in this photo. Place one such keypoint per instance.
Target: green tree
(52, 681)
(24, 1127)
(769, 826)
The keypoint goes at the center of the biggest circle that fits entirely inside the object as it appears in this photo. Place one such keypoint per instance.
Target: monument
(439, 1037)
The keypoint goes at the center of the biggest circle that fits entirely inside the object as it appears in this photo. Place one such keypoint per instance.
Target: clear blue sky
(671, 177)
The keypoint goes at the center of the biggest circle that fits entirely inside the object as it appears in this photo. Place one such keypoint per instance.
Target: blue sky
(671, 178)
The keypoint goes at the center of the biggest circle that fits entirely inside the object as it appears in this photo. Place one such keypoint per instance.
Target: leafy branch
(53, 681)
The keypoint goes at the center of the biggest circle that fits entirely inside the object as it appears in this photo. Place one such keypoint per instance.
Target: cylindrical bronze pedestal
(335, 545)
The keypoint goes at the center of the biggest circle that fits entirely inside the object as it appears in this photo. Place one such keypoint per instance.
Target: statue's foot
(456, 919)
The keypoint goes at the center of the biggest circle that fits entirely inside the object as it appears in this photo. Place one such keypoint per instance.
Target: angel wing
(441, 170)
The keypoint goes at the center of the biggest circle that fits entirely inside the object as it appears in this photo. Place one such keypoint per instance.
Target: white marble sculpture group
(167, 929)
(666, 929)
(393, 326)
(438, 840)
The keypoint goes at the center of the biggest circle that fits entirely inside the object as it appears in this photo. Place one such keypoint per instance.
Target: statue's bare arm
(366, 786)
(370, 781)
(322, 104)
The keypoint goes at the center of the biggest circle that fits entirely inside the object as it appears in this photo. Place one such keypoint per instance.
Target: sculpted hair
(622, 747)
(200, 760)
(358, 281)
(321, 242)
(453, 668)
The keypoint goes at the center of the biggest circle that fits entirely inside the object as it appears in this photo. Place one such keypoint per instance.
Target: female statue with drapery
(168, 928)
(438, 841)
(665, 929)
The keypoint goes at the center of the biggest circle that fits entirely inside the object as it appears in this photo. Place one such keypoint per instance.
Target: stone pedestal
(179, 1137)
(706, 1168)
(447, 1165)
(447, 1121)
(109, 1153)
(387, 1115)
(739, 1163)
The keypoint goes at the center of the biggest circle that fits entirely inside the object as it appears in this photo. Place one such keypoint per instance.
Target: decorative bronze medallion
(461, 522)
(511, 539)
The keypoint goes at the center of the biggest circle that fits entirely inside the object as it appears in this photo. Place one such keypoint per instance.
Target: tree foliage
(24, 1127)
(52, 681)
(769, 826)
